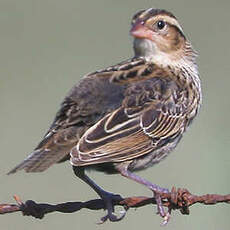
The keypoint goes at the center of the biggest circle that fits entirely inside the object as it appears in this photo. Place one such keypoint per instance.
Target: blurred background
(47, 46)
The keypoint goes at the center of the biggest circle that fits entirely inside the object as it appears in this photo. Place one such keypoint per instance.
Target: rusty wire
(177, 199)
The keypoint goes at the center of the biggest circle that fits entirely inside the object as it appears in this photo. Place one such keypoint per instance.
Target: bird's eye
(160, 25)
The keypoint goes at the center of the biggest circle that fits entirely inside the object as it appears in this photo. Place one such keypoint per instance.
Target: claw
(103, 220)
(160, 208)
(166, 219)
(109, 200)
(112, 217)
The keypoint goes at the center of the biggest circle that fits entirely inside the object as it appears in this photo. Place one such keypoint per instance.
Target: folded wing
(138, 127)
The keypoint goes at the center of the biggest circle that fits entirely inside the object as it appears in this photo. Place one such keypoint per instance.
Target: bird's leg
(123, 169)
(107, 197)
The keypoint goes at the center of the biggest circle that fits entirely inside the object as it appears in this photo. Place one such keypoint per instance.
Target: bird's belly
(154, 157)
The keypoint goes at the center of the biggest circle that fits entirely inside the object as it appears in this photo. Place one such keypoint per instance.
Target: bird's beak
(139, 30)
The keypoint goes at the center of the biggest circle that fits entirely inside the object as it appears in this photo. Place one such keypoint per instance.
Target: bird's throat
(144, 48)
(184, 58)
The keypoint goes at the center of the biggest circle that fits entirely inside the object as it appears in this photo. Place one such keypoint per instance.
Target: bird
(129, 116)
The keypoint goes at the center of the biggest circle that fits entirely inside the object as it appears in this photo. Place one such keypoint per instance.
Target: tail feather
(39, 161)
(54, 148)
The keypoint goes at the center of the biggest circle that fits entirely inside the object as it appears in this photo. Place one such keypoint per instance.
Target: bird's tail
(54, 148)
(39, 161)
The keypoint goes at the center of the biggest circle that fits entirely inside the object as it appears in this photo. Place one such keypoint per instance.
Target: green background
(48, 45)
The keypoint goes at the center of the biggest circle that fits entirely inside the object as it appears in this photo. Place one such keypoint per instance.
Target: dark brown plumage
(131, 115)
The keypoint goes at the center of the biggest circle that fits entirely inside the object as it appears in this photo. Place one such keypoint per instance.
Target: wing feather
(131, 140)
(149, 116)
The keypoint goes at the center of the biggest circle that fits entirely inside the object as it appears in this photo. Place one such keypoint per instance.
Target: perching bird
(131, 115)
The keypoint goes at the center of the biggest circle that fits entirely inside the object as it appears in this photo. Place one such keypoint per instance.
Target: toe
(160, 208)
(110, 202)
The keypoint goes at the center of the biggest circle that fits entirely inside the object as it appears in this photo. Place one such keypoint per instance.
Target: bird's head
(159, 37)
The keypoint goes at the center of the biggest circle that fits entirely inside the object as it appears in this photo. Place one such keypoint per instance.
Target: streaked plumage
(131, 115)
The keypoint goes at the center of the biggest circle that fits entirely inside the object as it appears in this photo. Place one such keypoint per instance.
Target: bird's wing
(152, 113)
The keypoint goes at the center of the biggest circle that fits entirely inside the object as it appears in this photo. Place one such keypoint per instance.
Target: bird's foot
(110, 200)
(160, 209)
